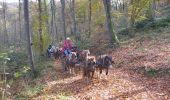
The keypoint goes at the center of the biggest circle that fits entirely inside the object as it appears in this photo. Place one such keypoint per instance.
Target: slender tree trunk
(40, 27)
(74, 21)
(53, 20)
(126, 12)
(132, 18)
(51, 30)
(154, 8)
(46, 12)
(113, 36)
(19, 19)
(123, 6)
(30, 52)
(1, 36)
(63, 17)
(90, 14)
(54, 13)
(15, 32)
(151, 13)
(4, 23)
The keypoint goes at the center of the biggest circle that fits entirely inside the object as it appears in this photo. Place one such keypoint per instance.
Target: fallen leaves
(127, 80)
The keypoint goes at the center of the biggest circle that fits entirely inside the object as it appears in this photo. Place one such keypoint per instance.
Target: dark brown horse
(71, 62)
(57, 54)
(89, 69)
(103, 63)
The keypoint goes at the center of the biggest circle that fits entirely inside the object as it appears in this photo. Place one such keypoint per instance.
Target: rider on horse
(67, 46)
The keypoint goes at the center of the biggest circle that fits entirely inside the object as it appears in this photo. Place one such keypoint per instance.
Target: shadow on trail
(75, 87)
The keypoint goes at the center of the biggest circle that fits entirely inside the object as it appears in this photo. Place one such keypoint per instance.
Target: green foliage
(18, 64)
(45, 34)
(160, 23)
(17, 59)
(84, 43)
(151, 72)
(97, 12)
(141, 24)
(3, 60)
(62, 96)
(22, 71)
(30, 91)
(46, 41)
(153, 24)
(137, 10)
(3, 57)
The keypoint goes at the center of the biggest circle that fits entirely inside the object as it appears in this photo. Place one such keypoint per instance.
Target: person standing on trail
(67, 46)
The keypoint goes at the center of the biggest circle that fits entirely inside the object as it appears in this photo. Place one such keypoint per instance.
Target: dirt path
(142, 72)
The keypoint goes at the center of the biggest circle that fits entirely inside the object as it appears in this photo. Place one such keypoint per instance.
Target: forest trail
(142, 71)
(29, 30)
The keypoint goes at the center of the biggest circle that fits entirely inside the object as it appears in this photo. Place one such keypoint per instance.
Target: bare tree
(90, 12)
(63, 17)
(46, 13)
(29, 44)
(152, 7)
(74, 20)
(53, 21)
(40, 27)
(19, 19)
(113, 36)
(4, 23)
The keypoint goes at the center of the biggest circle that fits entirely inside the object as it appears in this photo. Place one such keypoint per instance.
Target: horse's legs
(88, 77)
(100, 70)
(73, 70)
(92, 74)
(84, 73)
(97, 70)
(107, 70)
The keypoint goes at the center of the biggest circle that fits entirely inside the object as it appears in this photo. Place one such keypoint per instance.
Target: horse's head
(91, 62)
(73, 55)
(108, 61)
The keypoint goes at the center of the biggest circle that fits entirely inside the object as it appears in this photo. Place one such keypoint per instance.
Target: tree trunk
(40, 27)
(55, 24)
(53, 20)
(125, 3)
(4, 24)
(74, 21)
(15, 32)
(112, 34)
(46, 14)
(63, 17)
(152, 7)
(132, 16)
(1, 36)
(19, 19)
(30, 53)
(90, 12)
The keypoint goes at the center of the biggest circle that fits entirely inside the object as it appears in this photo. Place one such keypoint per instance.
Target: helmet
(68, 38)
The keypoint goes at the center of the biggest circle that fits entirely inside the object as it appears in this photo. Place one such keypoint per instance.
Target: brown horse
(57, 54)
(89, 69)
(71, 61)
(104, 62)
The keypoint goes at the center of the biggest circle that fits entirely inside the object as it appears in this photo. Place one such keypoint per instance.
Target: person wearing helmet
(49, 51)
(67, 46)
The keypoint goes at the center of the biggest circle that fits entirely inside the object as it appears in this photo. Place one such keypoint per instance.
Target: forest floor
(141, 72)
